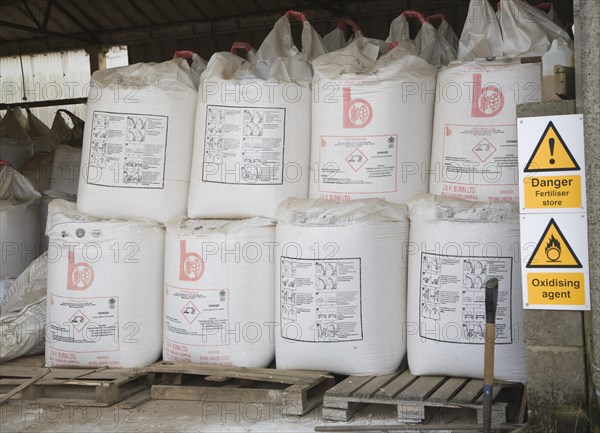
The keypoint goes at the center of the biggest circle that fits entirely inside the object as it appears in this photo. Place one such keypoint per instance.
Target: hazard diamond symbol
(553, 250)
(79, 320)
(484, 149)
(356, 159)
(190, 312)
(551, 153)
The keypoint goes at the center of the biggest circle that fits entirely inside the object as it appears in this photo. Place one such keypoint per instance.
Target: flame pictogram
(553, 249)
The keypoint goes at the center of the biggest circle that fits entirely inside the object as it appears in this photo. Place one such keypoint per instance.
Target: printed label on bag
(127, 150)
(84, 325)
(321, 300)
(244, 145)
(197, 317)
(480, 162)
(358, 165)
(452, 298)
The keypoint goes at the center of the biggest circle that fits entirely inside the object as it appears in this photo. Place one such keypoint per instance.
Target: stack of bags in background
(283, 181)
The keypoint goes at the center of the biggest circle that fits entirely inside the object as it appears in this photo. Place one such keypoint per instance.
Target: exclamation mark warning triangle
(553, 250)
(551, 153)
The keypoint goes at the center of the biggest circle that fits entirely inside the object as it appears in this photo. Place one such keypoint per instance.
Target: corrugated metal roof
(28, 26)
(46, 77)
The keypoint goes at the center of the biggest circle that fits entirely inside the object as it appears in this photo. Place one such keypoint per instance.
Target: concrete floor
(187, 416)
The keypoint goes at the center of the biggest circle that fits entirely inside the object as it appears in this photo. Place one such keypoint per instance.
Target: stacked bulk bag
(341, 285)
(371, 123)
(219, 292)
(137, 143)
(336, 39)
(104, 302)
(445, 30)
(526, 30)
(431, 46)
(15, 144)
(251, 148)
(66, 168)
(19, 223)
(41, 136)
(474, 150)
(455, 247)
(23, 312)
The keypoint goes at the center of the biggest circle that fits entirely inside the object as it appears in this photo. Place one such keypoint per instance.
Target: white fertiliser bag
(252, 139)
(220, 292)
(481, 35)
(455, 247)
(137, 143)
(66, 166)
(341, 278)
(23, 313)
(474, 151)
(526, 30)
(105, 283)
(371, 123)
(19, 223)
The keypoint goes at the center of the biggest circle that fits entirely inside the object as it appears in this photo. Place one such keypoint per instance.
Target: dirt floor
(187, 416)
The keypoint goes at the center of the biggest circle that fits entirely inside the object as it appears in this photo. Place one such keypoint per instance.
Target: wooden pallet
(297, 391)
(70, 386)
(412, 395)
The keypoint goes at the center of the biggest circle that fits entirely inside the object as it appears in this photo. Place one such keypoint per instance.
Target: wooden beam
(52, 103)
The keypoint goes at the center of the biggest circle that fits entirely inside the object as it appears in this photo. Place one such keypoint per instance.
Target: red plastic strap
(241, 46)
(436, 17)
(348, 22)
(393, 45)
(183, 54)
(415, 14)
(545, 6)
(4, 163)
(297, 15)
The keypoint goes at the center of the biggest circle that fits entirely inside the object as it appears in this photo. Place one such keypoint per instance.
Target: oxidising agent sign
(554, 243)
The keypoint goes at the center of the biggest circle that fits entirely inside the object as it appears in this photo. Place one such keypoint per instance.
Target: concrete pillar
(589, 105)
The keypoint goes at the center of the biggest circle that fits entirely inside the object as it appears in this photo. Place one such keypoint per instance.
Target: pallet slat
(421, 388)
(69, 386)
(375, 384)
(469, 393)
(303, 392)
(448, 389)
(411, 395)
(390, 390)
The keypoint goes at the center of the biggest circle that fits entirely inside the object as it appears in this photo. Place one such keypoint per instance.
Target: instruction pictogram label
(553, 250)
(555, 272)
(551, 153)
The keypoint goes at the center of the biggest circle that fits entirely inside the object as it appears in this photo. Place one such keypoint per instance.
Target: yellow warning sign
(552, 192)
(551, 153)
(553, 250)
(556, 288)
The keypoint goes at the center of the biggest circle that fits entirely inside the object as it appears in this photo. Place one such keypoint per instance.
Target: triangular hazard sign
(553, 250)
(551, 153)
